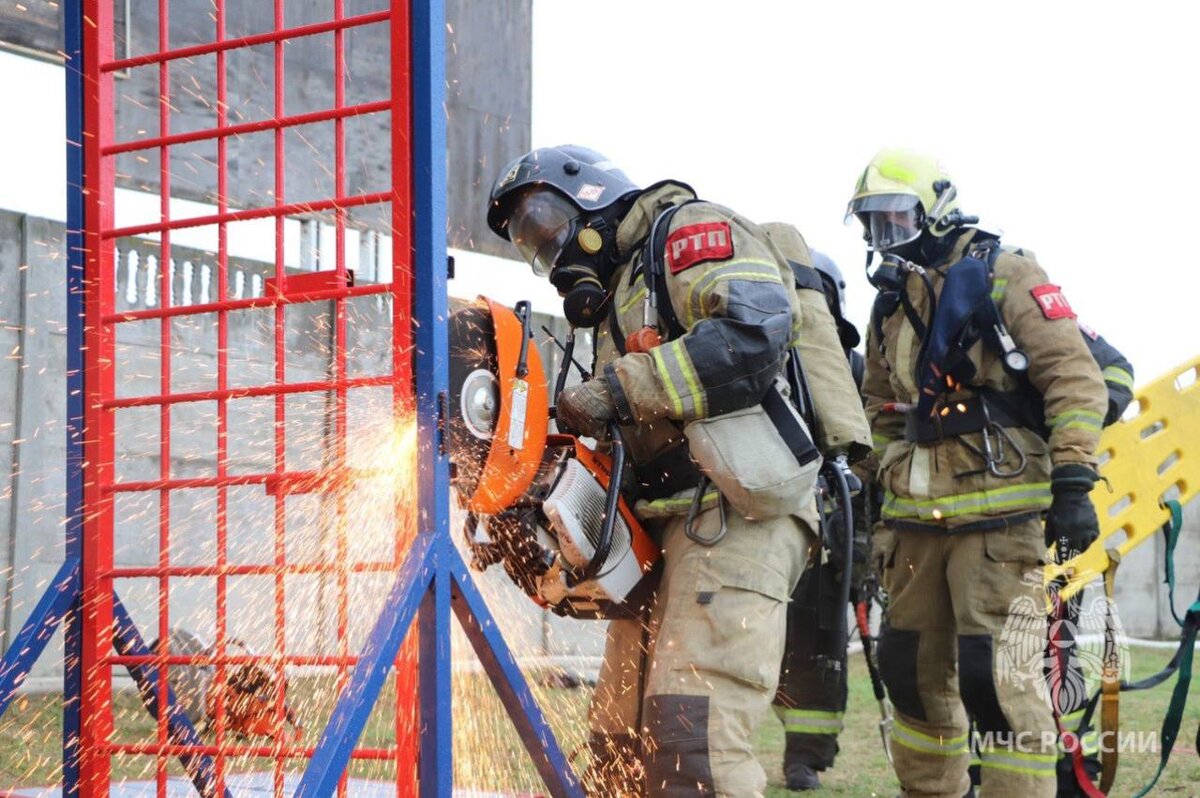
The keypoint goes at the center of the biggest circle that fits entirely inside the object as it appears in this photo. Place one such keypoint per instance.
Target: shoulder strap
(655, 269)
(886, 303)
(806, 277)
(614, 330)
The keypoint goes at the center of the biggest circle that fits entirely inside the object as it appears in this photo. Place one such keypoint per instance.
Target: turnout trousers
(966, 625)
(811, 699)
(679, 696)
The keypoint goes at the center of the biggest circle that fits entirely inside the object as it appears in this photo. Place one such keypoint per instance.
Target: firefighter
(986, 407)
(811, 699)
(679, 695)
(1066, 679)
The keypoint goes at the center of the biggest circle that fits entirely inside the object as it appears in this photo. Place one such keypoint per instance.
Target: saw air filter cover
(575, 509)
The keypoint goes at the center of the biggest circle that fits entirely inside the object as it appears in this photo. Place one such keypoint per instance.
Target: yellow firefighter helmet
(900, 193)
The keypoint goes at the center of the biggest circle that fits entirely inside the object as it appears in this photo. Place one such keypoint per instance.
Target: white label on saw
(516, 416)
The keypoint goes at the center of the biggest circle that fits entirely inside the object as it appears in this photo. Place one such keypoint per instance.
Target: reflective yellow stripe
(665, 377)
(709, 498)
(640, 293)
(1035, 495)
(683, 387)
(998, 286)
(699, 399)
(1078, 419)
(752, 270)
(924, 743)
(879, 442)
(1118, 375)
(1040, 772)
(810, 721)
(1018, 762)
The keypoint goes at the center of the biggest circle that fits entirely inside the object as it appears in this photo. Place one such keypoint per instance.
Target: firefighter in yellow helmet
(985, 408)
(696, 322)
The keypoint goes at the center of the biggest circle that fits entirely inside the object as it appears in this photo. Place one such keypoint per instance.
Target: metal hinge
(443, 419)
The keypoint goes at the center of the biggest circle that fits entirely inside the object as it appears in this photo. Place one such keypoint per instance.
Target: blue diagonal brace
(354, 705)
(128, 642)
(502, 668)
(29, 643)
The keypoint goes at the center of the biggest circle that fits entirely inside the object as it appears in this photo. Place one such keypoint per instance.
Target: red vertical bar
(165, 298)
(407, 731)
(280, 378)
(222, 404)
(339, 354)
(95, 766)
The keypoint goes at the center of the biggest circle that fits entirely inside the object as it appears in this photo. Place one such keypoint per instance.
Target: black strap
(614, 329)
(886, 303)
(783, 416)
(807, 277)
(655, 269)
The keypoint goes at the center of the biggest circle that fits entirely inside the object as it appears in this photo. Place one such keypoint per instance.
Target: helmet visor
(538, 226)
(889, 219)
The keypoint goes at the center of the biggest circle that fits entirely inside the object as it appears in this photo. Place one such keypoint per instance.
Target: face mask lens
(539, 226)
(890, 229)
(889, 220)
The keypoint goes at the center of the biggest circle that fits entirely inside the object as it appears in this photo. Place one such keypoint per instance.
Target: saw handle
(524, 312)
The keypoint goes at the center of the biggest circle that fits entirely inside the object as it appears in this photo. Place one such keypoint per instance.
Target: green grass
(488, 754)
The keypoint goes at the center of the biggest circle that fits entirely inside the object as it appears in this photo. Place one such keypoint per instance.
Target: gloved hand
(585, 409)
(1072, 518)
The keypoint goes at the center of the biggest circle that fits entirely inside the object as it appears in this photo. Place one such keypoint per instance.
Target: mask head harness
(560, 207)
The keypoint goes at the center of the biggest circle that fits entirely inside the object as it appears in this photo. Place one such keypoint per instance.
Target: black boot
(801, 776)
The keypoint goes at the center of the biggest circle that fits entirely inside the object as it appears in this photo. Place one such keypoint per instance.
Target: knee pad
(616, 768)
(678, 763)
(898, 668)
(977, 684)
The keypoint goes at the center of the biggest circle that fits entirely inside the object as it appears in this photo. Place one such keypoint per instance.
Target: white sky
(1068, 125)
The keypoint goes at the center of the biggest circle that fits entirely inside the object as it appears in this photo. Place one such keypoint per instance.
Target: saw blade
(474, 391)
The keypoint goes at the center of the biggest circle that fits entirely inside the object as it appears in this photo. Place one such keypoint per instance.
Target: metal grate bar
(246, 393)
(268, 301)
(260, 126)
(277, 36)
(276, 211)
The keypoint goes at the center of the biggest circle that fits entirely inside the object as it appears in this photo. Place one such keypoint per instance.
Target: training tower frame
(430, 579)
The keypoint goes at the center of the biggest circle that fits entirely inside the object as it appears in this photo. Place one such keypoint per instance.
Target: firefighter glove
(585, 409)
(1071, 523)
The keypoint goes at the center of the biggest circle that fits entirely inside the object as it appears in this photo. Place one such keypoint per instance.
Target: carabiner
(694, 511)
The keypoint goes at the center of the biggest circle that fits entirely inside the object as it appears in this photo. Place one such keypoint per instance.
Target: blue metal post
(431, 368)
(436, 765)
(73, 630)
(505, 674)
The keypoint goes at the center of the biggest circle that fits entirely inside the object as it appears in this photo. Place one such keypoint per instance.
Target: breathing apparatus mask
(897, 227)
(575, 250)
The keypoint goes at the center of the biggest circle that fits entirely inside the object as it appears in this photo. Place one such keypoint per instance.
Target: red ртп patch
(698, 243)
(1052, 302)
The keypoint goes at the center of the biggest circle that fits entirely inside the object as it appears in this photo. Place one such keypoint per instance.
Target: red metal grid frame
(101, 321)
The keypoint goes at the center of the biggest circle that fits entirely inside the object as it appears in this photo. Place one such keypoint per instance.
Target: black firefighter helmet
(560, 207)
(835, 295)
